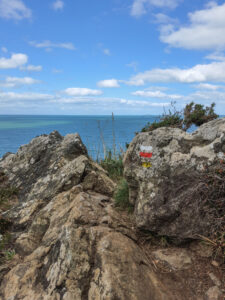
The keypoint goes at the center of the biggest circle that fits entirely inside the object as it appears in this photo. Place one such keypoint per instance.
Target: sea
(95, 131)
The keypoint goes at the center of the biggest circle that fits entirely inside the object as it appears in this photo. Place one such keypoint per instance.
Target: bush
(121, 196)
(113, 165)
(192, 114)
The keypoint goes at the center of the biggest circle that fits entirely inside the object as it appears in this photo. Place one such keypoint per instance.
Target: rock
(215, 263)
(70, 243)
(213, 293)
(162, 181)
(47, 166)
(214, 279)
(177, 259)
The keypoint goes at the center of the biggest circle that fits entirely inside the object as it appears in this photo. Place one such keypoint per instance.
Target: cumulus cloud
(199, 73)
(11, 82)
(48, 45)
(82, 92)
(14, 9)
(15, 61)
(109, 83)
(58, 5)
(31, 68)
(140, 7)
(205, 31)
(156, 94)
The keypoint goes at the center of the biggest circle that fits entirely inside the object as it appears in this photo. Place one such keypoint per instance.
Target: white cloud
(82, 92)
(58, 5)
(14, 9)
(16, 60)
(216, 56)
(106, 52)
(140, 7)
(31, 68)
(11, 82)
(11, 96)
(208, 86)
(143, 103)
(48, 45)
(205, 31)
(164, 19)
(156, 94)
(4, 49)
(107, 101)
(199, 73)
(109, 83)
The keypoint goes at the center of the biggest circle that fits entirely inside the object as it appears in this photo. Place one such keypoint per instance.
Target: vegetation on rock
(193, 114)
(7, 197)
(121, 196)
(113, 165)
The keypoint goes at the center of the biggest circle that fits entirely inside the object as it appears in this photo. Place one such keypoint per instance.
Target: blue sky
(130, 57)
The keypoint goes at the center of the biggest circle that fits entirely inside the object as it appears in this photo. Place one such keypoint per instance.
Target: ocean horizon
(17, 130)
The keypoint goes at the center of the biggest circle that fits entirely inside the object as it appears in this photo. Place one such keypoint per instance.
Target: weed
(9, 254)
(121, 196)
(113, 165)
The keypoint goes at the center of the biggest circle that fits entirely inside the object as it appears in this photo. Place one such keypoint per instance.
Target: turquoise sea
(18, 130)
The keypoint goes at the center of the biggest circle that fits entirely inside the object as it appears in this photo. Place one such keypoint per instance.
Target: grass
(121, 196)
(113, 165)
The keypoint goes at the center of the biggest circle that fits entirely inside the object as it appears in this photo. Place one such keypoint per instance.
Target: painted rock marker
(146, 148)
(146, 165)
(143, 154)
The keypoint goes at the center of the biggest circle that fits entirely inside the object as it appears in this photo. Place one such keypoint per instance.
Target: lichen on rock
(163, 191)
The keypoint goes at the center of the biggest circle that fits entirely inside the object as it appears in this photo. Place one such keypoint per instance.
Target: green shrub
(196, 114)
(193, 113)
(121, 196)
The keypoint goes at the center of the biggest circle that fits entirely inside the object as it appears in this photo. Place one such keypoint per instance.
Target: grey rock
(177, 259)
(213, 293)
(70, 242)
(161, 191)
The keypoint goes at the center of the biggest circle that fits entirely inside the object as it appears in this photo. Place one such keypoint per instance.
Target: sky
(95, 57)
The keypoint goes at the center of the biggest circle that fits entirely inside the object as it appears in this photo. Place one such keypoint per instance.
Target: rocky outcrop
(70, 243)
(163, 168)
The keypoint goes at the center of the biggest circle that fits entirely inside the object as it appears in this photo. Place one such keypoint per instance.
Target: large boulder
(163, 168)
(69, 242)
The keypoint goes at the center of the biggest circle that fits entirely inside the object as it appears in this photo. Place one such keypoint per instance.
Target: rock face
(162, 168)
(70, 243)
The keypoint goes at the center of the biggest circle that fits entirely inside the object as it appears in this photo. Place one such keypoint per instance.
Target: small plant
(121, 196)
(9, 254)
(172, 118)
(217, 243)
(113, 165)
(5, 194)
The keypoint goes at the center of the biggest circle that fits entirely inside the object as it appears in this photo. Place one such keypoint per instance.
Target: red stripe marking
(143, 154)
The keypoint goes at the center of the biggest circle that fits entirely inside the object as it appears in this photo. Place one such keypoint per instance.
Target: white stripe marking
(146, 148)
